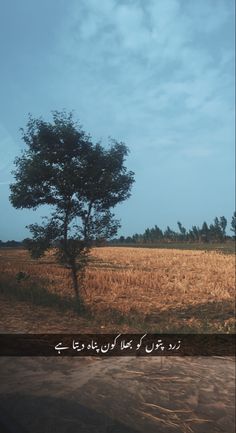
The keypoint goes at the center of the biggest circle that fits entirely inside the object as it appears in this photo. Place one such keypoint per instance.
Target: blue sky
(156, 74)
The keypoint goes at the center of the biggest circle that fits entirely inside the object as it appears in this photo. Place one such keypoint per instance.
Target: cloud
(208, 16)
(157, 74)
(149, 71)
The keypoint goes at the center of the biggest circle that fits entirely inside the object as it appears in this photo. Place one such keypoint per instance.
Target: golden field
(166, 289)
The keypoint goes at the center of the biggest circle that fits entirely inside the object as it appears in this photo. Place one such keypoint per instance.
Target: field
(159, 290)
(125, 290)
(227, 247)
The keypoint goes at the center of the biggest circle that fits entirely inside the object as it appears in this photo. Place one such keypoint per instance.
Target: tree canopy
(81, 181)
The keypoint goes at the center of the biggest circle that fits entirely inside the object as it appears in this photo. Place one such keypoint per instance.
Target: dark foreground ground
(118, 395)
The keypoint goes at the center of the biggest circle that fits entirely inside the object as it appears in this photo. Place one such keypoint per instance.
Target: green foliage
(215, 232)
(182, 231)
(223, 225)
(81, 181)
(42, 238)
(233, 224)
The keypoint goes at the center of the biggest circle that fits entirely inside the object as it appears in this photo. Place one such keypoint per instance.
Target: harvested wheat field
(157, 289)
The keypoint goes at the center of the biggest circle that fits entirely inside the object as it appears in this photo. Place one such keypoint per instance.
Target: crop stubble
(157, 284)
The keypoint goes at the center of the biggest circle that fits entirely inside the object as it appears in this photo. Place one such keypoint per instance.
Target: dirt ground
(119, 395)
(21, 317)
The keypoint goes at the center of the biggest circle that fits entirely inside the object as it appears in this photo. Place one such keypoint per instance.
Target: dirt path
(119, 395)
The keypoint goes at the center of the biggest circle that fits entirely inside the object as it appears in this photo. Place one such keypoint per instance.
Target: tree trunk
(75, 281)
(79, 302)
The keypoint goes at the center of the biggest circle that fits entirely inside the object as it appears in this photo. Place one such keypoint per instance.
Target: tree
(196, 233)
(233, 225)
(205, 232)
(218, 229)
(223, 225)
(169, 234)
(158, 233)
(79, 180)
(182, 230)
(147, 235)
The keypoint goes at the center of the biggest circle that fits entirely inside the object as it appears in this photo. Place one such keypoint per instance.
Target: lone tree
(80, 181)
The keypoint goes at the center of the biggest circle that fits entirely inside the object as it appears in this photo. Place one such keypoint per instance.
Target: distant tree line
(12, 244)
(215, 232)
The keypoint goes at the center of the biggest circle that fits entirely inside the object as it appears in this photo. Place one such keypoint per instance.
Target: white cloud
(140, 71)
(157, 74)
